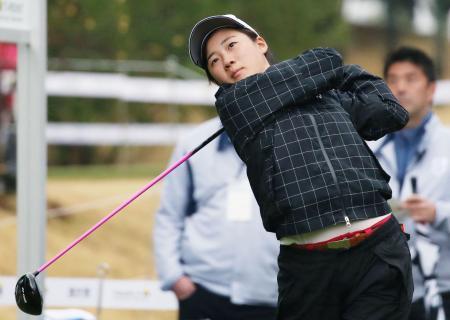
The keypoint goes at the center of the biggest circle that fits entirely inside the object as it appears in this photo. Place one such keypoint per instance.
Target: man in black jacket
(300, 126)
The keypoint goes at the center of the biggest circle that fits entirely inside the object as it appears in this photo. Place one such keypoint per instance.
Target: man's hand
(420, 209)
(183, 288)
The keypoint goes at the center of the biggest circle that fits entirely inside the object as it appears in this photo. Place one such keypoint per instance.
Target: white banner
(84, 292)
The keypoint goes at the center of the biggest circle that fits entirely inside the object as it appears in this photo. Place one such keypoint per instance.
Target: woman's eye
(231, 44)
(213, 61)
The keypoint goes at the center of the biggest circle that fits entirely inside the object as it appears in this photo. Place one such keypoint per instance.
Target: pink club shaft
(128, 201)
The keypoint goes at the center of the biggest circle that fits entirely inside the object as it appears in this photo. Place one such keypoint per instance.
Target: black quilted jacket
(300, 128)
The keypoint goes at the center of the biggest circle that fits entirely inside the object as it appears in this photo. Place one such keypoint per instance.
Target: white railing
(131, 134)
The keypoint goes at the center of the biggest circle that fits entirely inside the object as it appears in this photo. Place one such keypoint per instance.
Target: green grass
(148, 170)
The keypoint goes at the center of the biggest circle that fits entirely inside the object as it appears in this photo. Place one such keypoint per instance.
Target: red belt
(344, 241)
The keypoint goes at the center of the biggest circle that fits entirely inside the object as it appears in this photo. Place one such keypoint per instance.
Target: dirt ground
(124, 242)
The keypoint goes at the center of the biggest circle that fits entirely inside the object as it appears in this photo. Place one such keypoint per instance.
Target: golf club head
(28, 296)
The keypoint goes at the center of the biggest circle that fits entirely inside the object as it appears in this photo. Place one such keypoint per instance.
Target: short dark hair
(413, 55)
(269, 55)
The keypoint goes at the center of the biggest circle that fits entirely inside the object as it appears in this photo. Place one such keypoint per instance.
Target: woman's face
(232, 56)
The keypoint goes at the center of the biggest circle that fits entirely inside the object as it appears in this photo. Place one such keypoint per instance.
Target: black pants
(204, 304)
(372, 281)
(418, 308)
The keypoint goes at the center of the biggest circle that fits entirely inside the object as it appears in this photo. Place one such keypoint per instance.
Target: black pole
(392, 29)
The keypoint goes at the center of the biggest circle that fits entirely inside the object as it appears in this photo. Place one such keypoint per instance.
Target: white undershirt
(331, 232)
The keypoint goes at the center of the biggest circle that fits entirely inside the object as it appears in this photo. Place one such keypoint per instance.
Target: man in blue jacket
(418, 159)
(300, 126)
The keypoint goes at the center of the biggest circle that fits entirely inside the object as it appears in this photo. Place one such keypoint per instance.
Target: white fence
(115, 134)
(138, 89)
(153, 90)
(127, 88)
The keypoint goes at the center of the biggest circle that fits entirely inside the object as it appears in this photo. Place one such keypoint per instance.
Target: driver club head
(28, 296)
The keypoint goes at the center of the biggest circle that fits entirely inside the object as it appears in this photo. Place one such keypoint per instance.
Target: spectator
(211, 248)
(418, 160)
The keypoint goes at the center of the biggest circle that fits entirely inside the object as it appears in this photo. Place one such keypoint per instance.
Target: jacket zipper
(330, 166)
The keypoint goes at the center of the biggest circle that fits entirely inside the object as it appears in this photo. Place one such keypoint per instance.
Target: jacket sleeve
(245, 107)
(372, 106)
(169, 222)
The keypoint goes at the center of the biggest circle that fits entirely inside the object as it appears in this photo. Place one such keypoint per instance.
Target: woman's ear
(262, 44)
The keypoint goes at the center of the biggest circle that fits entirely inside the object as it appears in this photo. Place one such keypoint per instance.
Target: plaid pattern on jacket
(300, 128)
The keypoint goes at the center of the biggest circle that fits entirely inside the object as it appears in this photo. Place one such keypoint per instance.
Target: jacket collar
(224, 142)
(385, 142)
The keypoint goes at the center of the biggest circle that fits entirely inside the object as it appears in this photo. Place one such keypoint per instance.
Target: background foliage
(155, 30)
(134, 29)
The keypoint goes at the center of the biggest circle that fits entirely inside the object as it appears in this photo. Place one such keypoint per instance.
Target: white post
(31, 145)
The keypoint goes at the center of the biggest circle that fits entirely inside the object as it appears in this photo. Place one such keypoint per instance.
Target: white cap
(205, 27)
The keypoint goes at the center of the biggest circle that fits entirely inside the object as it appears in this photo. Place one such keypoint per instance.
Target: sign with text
(85, 292)
(14, 14)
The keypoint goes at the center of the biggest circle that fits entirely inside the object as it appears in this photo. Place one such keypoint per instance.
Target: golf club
(28, 296)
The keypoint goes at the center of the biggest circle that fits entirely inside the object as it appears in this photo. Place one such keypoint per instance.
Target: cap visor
(203, 29)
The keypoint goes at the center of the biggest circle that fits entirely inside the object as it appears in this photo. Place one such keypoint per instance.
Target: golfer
(300, 127)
